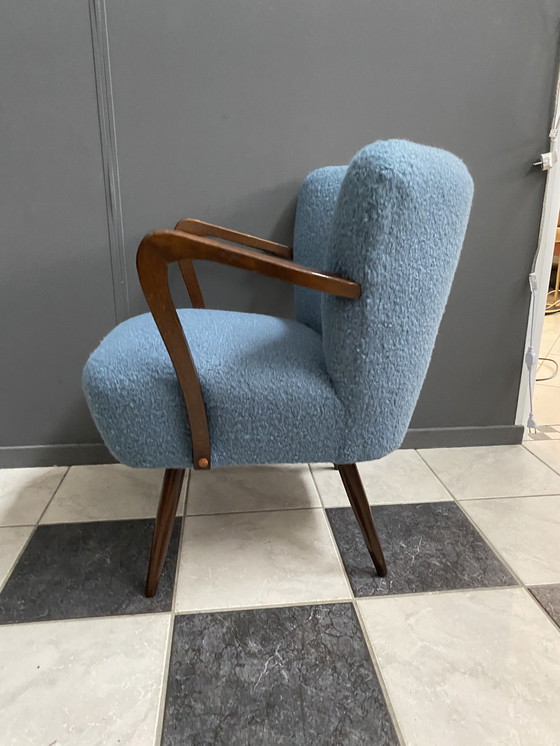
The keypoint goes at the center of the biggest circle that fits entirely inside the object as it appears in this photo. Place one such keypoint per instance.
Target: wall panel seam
(108, 138)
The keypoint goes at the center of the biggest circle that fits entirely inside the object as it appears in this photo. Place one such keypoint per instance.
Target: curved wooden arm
(156, 251)
(200, 228)
(174, 246)
(152, 272)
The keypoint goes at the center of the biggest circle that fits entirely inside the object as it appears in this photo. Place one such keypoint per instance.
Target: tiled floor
(270, 626)
(547, 387)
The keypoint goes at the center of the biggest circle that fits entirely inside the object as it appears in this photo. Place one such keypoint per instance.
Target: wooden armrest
(156, 251)
(174, 246)
(200, 228)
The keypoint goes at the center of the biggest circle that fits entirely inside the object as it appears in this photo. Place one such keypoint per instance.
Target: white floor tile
(245, 488)
(104, 493)
(552, 324)
(12, 541)
(25, 493)
(87, 682)
(468, 668)
(258, 559)
(546, 403)
(547, 451)
(401, 477)
(526, 532)
(546, 430)
(491, 471)
(550, 335)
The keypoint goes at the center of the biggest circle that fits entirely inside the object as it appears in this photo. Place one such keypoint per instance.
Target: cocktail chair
(338, 384)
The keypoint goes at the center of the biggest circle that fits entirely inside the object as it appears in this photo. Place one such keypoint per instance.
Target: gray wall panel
(222, 108)
(56, 295)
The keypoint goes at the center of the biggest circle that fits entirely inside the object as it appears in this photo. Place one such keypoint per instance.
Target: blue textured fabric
(398, 229)
(340, 384)
(268, 396)
(312, 230)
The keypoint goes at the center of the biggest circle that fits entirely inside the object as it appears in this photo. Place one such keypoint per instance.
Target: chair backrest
(394, 220)
(312, 232)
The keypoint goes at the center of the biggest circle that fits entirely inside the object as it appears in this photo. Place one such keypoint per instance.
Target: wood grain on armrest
(200, 228)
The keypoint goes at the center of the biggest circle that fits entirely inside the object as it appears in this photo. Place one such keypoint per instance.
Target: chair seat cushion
(268, 396)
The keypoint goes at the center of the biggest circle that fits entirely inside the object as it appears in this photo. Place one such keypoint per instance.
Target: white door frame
(547, 236)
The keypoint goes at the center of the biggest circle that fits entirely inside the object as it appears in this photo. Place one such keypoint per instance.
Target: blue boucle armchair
(338, 384)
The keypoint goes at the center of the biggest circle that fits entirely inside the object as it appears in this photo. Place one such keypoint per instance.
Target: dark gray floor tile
(549, 598)
(74, 570)
(428, 547)
(298, 676)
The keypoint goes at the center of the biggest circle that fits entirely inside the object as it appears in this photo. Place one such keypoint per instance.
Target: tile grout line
(556, 471)
(336, 547)
(496, 551)
(13, 564)
(333, 601)
(493, 497)
(549, 350)
(479, 530)
(285, 605)
(309, 466)
(504, 497)
(332, 536)
(33, 527)
(485, 537)
(262, 510)
(330, 602)
(385, 692)
(38, 522)
(84, 619)
(158, 735)
(354, 600)
(380, 502)
(555, 624)
(380, 678)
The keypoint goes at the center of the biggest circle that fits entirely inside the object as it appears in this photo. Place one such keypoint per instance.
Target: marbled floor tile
(491, 471)
(105, 492)
(12, 541)
(86, 570)
(401, 477)
(478, 667)
(428, 547)
(258, 559)
(526, 532)
(245, 488)
(549, 598)
(299, 675)
(25, 493)
(86, 682)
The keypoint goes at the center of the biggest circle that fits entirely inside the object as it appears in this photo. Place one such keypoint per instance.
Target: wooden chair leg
(358, 500)
(167, 508)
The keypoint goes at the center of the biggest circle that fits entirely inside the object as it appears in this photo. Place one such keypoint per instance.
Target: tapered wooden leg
(167, 508)
(358, 500)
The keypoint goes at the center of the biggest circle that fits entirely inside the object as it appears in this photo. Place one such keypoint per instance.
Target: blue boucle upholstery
(398, 229)
(340, 383)
(268, 396)
(312, 231)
